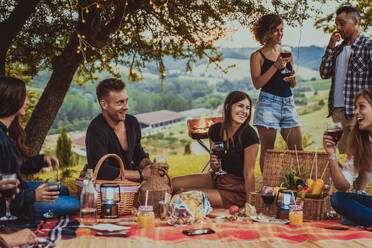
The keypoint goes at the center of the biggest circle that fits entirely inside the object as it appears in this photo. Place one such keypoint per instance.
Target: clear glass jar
(296, 216)
(88, 201)
(145, 217)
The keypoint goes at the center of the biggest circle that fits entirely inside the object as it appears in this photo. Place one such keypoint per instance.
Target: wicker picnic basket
(128, 189)
(276, 162)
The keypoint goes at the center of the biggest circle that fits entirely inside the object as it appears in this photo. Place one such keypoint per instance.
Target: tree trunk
(64, 68)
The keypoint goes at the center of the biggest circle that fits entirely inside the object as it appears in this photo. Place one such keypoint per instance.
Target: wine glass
(218, 149)
(268, 197)
(286, 52)
(7, 191)
(160, 160)
(334, 129)
(54, 187)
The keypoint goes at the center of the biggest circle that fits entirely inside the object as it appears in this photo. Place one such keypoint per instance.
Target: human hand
(146, 171)
(281, 62)
(215, 162)
(9, 184)
(52, 161)
(335, 37)
(19, 238)
(328, 144)
(45, 193)
(164, 166)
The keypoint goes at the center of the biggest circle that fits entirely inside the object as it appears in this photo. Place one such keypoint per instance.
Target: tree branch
(11, 26)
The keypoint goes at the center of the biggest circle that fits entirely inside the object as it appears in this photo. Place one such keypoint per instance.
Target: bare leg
(267, 139)
(293, 138)
(202, 182)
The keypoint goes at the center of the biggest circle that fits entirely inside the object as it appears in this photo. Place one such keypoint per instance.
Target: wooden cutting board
(219, 212)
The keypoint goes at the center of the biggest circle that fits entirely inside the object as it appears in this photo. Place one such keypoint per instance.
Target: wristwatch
(333, 157)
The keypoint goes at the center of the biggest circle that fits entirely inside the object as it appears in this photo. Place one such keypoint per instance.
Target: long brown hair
(12, 98)
(359, 144)
(232, 98)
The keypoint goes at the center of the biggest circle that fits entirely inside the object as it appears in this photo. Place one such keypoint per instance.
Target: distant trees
(63, 151)
(327, 23)
(226, 86)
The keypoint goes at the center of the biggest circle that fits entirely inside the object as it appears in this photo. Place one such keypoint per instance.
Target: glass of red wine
(334, 129)
(8, 191)
(218, 149)
(286, 52)
(53, 187)
(268, 197)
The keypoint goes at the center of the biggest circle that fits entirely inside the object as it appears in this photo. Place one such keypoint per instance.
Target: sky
(306, 35)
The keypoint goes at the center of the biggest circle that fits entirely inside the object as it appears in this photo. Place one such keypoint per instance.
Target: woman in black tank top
(275, 108)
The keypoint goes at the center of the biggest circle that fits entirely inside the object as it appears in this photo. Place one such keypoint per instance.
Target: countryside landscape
(203, 88)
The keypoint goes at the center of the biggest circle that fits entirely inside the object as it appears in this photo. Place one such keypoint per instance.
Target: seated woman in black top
(34, 197)
(241, 147)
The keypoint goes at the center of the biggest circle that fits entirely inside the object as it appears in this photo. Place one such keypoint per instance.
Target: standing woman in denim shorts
(275, 109)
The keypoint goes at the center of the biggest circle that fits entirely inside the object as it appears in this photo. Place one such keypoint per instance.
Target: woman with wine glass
(232, 176)
(14, 157)
(358, 166)
(275, 109)
(21, 237)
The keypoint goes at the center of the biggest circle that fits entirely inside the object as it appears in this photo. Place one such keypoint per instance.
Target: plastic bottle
(88, 201)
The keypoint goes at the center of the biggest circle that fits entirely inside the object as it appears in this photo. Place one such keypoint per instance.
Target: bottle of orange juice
(296, 215)
(146, 217)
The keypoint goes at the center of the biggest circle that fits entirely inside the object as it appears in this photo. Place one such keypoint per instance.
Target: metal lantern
(110, 197)
(283, 201)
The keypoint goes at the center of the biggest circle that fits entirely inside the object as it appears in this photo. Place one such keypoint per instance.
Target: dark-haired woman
(241, 147)
(275, 109)
(33, 196)
(358, 166)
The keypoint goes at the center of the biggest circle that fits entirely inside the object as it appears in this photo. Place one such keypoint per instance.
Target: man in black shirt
(115, 131)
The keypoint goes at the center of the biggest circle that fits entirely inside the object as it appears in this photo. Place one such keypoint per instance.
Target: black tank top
(276, 84)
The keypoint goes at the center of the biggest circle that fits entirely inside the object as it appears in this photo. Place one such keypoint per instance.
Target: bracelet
(333, 157)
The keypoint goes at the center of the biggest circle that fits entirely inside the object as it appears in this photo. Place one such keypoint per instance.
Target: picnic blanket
(49, 231)
(231, 234)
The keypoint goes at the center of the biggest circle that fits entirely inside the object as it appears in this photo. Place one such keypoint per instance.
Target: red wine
(268, 199)
(8, 192)
(219, 152)
(285, 54)
(335, 134)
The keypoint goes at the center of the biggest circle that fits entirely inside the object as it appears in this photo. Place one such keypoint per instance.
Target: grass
(319, 85)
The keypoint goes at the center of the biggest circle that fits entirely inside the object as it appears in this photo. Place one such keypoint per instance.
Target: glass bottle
(88, 201)
(146, 217)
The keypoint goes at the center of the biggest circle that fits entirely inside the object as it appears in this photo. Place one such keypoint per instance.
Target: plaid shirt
(358, 75)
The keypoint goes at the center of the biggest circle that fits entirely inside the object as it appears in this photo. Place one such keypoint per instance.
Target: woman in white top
(358, 167)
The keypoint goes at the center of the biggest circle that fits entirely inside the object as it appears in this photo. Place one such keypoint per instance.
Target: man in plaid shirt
(350, 66)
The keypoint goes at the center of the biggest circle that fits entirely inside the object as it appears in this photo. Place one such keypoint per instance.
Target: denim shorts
(275, 112)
